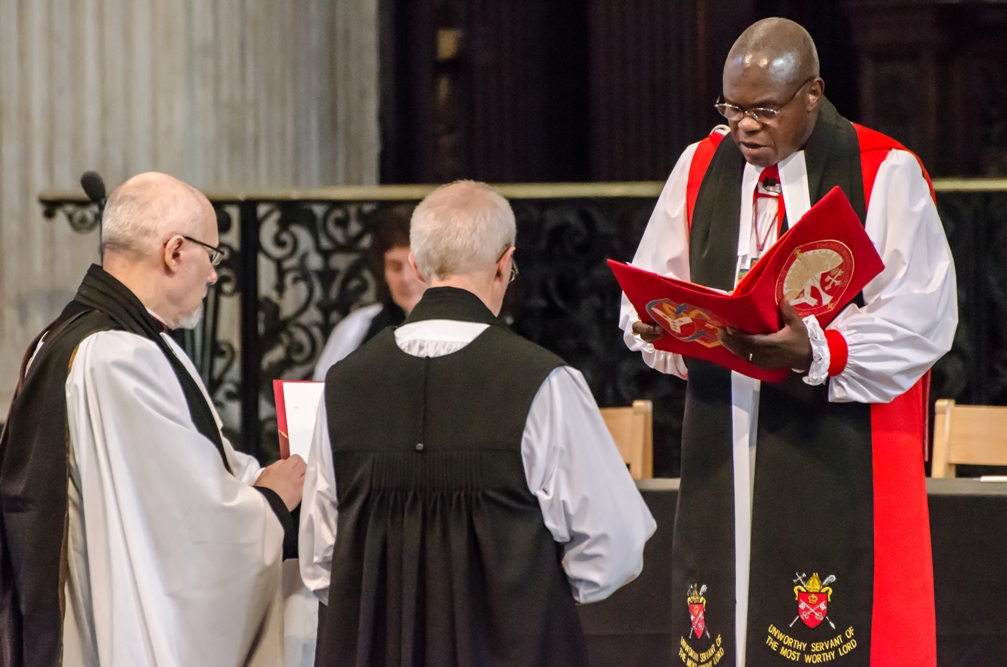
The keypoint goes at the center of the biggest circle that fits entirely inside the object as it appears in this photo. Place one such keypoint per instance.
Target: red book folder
(819, 266)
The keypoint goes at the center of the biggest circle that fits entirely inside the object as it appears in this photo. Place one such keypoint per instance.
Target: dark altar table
(968, 521)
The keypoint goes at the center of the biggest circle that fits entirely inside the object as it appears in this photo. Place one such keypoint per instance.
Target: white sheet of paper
(301, 401)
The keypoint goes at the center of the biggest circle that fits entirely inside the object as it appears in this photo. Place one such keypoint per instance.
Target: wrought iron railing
(298, 266)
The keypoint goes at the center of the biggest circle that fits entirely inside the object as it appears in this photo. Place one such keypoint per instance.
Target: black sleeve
(289, 520)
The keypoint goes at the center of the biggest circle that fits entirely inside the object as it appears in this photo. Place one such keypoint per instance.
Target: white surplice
(345, 338)
(588, 500)
(173, 561)
(907, 322)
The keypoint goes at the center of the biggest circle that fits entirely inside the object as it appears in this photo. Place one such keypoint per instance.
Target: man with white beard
(156, 544)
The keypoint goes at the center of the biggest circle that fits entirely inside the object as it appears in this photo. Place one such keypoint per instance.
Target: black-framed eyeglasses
(217, 253)
(734, 113)
(513, 265)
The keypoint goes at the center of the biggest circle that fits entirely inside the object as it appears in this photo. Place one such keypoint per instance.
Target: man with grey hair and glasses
(463, 492)
(131, 532)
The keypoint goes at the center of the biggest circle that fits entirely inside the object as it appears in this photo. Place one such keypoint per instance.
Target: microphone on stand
(94, 188)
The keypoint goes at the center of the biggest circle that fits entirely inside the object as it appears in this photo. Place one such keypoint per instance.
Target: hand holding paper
(286, 479)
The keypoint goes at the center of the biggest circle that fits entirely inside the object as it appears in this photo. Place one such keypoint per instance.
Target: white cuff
(661, 361)
(819, 371)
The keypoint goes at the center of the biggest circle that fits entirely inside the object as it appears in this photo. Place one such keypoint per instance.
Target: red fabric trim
(926, 416)
(839, 352)
(874, 148)
(697, 170)
(904, 626)
(160, 322)
(770, 172)
(781, 206)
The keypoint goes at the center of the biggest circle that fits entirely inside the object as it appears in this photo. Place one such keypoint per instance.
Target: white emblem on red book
(815, 277)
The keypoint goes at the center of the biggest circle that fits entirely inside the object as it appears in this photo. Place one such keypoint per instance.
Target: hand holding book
(787, 348)
(816, 268)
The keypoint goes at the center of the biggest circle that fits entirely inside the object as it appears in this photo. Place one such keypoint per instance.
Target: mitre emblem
(813, 597)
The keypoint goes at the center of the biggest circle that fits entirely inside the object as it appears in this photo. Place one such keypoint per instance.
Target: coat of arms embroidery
(813, 597)
(697, 610)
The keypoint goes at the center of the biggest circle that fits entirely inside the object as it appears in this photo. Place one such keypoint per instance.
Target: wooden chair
(968, 435)
(632, 429)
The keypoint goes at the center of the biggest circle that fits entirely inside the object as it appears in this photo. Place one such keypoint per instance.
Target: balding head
(149, 207)
(773, 65)
(148, 236)
(779, 47)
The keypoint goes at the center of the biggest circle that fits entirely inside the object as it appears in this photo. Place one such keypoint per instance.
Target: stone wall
(224, 94)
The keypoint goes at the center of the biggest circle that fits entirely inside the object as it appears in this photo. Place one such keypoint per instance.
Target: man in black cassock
(463, 492)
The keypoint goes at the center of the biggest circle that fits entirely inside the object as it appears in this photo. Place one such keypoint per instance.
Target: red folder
(819, 266)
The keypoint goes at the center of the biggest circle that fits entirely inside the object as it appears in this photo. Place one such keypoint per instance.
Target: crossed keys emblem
(818, 611)
(697, 610)
(833, 279)
(813, 597)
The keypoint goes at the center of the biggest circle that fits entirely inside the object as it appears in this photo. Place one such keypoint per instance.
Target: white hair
(143, 210)
(460, 228)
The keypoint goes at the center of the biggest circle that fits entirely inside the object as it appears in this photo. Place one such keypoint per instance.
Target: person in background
(464, 490)
(399, 288)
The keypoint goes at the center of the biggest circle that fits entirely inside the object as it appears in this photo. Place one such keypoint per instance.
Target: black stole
(34, 466)
(101, 292)
(813, 501)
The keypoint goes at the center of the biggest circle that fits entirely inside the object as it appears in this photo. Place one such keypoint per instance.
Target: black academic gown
(443, 558)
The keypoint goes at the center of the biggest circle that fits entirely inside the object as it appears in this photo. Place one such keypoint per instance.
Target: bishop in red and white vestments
(802, 507)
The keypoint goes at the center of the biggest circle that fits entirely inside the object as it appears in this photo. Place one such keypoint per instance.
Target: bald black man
(802, 531)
